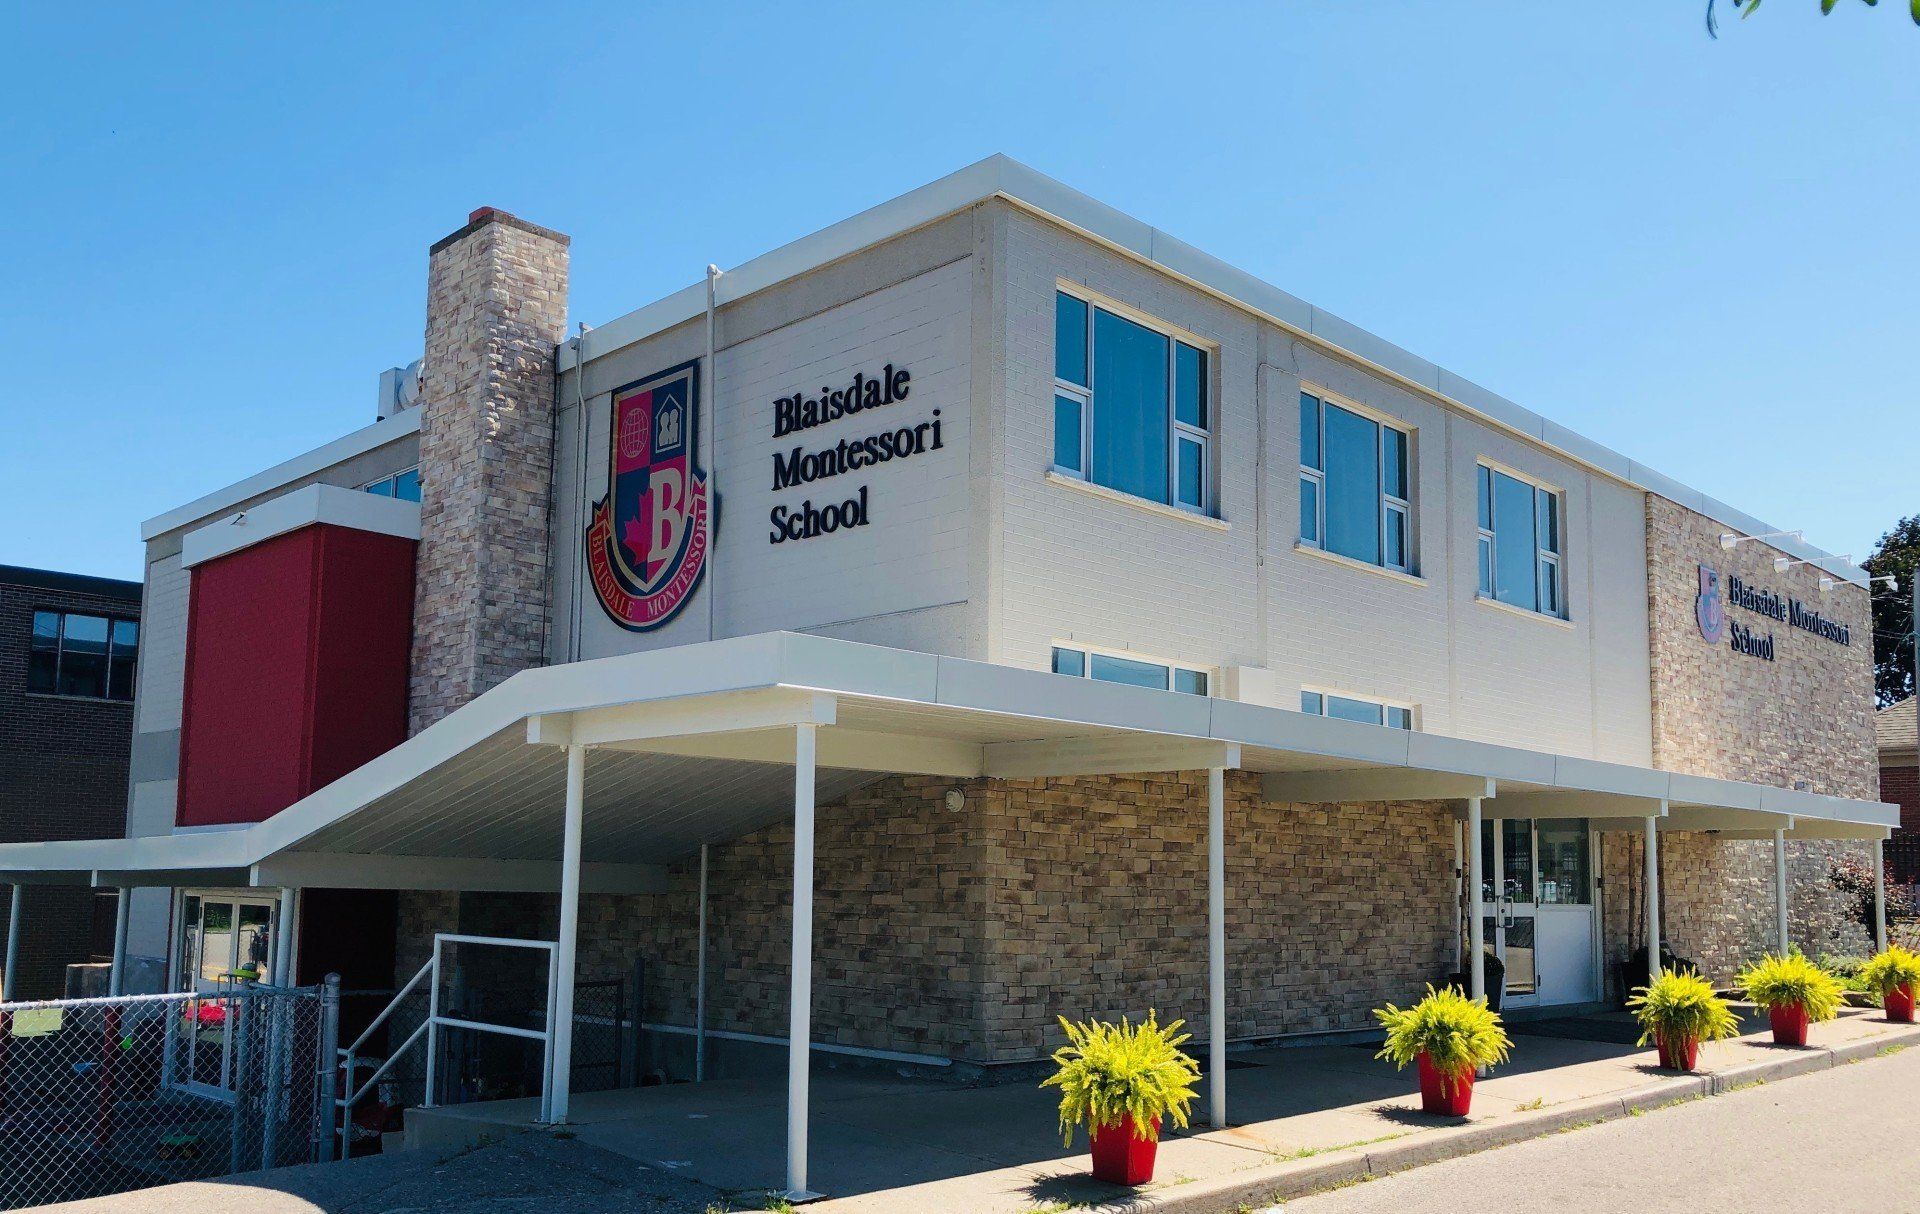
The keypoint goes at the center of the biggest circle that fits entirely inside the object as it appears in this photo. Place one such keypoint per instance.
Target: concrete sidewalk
(1303, 1119)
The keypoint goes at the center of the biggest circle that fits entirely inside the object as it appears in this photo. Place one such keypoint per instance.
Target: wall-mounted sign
(800, 466)
(1710, 613)
(647, 539)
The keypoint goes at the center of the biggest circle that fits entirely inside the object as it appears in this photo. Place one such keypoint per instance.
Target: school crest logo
(647, 538)
(1709, 611)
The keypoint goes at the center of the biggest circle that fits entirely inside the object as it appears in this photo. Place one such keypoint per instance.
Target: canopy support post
(1780, 886)
(1879, 897)
(1653, 895)
(700, 981)
(800, 993)
(566, 948)
(1476, 927)
(17, 907)
(117, 975)
(1217, 946)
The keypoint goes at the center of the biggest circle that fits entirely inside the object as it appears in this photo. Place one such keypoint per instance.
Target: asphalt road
(1829, 1143)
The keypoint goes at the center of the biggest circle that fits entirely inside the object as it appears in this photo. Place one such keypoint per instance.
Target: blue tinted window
(1190, 386)
(1069, 661)
(1110, 669)
(1310, 702)
(406, 486)
(1309, 510)
(1309, 431)
(1393, 456)
(1353, 710)
(1514, 550)
(1191, 473)
(1130, 407)
(1069, 338)
(1067, 451)
(1353, 485)
(1399, 718)
(1192, 682)
(1486, 498)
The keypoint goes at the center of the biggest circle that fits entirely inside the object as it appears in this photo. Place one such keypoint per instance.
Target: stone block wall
(963, 934)
(496, 308)
(1802, 720)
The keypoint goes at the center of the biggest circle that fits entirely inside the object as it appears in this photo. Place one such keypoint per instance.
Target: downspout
(713, 451)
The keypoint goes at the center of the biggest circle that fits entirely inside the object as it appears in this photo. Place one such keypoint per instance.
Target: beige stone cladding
(496, 307)
(1802, 720)
(964, 933)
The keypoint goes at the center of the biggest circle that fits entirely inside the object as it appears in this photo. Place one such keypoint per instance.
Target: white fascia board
(1002, 177)
(346, 447)
(328, 504)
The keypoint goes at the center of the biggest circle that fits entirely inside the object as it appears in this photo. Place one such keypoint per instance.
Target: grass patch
(1531, 1106)
(1310, 1152)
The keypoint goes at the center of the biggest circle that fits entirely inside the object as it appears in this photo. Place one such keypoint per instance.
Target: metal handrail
(433, 963)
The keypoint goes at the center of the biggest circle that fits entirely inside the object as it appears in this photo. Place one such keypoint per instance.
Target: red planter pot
(1447, 1099)
(1682, 1054)
(1789, 1025)
(1900, 1005)
(1122, 1157)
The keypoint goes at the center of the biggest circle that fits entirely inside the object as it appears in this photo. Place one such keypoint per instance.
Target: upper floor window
(1355, 475)
(1352, 708)
(1112, 668)
(82, 655)
(1520, 526)
(403, 485)
(1130, 406)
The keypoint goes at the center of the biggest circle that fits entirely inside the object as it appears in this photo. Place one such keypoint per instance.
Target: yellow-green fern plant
(1891, 970)
(1793, 981)
(1109, 1072)
(1454, 1032)
(1679, 1006)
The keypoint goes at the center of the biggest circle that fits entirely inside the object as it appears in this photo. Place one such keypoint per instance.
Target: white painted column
(1459, 935)
(1879, 897)
(1780, 886)
(283, 939)
(700, 980)
(1653, 896)
(800, 993)
(566, 947)
(117, 976)
(13, 942)
(1217, 946)
(1476, 929)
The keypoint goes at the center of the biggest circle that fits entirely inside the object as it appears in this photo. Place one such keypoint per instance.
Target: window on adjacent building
(93, 656)
(1352, 708)
(403, 485)
(1112, 668)
(1130, 406)
(1520, 555)
(1355, 479)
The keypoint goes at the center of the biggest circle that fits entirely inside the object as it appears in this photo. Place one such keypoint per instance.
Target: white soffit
(1002, 177)
(330, 504)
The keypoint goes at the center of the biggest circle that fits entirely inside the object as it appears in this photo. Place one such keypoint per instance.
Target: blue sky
(1704, 254)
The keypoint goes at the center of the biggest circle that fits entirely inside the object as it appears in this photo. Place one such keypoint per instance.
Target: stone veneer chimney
(496, 308)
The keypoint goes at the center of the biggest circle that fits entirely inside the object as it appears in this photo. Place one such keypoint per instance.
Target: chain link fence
(101, 1096)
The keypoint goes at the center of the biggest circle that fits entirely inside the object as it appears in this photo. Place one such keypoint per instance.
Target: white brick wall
(1109, 574)
(900, 580)
(163, 647)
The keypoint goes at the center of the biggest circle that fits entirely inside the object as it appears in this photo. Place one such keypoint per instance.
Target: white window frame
(1089, 652)
(1546, 561)
(1412, 710)
(1390, 503)
(1177, 430)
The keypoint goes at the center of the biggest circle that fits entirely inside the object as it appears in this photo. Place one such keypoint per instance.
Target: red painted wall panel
(297, 653)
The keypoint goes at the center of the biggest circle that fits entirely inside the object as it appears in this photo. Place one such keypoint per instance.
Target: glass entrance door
(225, 941)
(1536, 908)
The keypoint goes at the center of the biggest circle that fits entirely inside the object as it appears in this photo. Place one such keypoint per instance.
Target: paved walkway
(1303, 1119)
(1837, 1143)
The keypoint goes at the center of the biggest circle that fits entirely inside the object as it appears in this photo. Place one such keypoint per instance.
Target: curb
(1272, 1184)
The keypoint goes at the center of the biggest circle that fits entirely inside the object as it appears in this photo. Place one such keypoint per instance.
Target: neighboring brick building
(68, 649)
(1900, 784)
